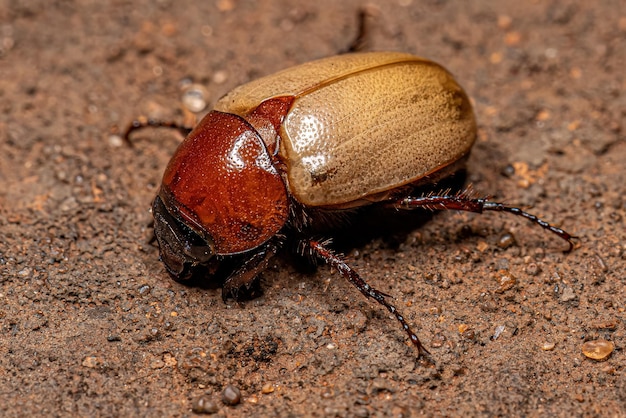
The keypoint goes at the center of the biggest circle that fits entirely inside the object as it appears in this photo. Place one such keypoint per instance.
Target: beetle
(284, 156)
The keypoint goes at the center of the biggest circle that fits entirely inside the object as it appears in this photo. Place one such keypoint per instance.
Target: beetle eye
(180, 247)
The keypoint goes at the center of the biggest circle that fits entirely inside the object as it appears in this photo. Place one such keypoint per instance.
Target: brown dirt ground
(92, 325)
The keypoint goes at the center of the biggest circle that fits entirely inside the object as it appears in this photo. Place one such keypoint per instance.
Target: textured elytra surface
(373, 131)
(298, 79)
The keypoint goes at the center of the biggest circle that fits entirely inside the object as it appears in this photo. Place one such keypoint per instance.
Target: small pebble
(204, 405)
(220, 77)
(267, 388)
(604, 268)
(231, 395)
(435, 310)
(499, 330)
(598, 349)
(568, 294)
(532, 269)
(115, 141)
(92, 362)
(157, 364)
(506, 240)
(508, 170)
(506, 281)
(548, 346)
(438, 340)
(466, 332)
(606, 324)
(482, 246)
(195, 98)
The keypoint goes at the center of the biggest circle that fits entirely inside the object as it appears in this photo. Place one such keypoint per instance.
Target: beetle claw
(230, 291)
(572, 246)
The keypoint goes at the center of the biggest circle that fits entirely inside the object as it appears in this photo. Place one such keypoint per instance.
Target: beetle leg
(463, 201)
(359, 43)
(353, 277)
(153, 123)
(243, 277)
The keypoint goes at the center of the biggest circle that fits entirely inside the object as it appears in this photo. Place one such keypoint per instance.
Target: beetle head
(181, 247)
(221, 195)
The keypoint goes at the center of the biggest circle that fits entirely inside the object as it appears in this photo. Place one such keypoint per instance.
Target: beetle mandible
(280, 156)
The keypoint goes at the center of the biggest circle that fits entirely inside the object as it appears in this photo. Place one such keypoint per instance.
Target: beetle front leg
(329, 257)
(243, 277)
(463, 201)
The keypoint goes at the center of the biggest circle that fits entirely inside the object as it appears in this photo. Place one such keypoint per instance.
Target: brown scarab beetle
(281, 155)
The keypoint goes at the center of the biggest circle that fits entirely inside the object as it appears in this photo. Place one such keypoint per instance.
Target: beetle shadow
(390, 225)
(213, 279)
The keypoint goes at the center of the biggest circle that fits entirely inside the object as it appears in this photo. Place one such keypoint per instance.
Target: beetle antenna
(142, 123)
(336, 261)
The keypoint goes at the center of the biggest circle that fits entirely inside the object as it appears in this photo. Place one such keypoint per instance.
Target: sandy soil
(93, 326)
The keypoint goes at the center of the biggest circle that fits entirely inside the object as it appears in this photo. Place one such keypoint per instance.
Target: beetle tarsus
(465, 202)
(499, 207)
(335, 261)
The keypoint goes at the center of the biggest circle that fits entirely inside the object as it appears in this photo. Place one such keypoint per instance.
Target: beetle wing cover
(364, 124)
(296, 81)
